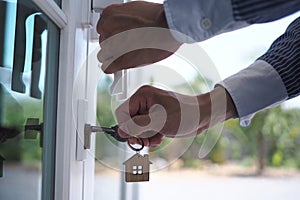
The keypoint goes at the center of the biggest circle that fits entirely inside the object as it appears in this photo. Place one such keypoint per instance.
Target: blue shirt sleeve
(197, 20)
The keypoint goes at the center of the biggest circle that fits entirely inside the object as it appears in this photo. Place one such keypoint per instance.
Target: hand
(152, 114)
(126, 39)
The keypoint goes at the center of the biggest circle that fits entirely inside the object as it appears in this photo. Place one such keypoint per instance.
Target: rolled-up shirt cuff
(255, 88)
(197, 20)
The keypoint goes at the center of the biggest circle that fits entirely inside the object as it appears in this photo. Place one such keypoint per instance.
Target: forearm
(215, 107)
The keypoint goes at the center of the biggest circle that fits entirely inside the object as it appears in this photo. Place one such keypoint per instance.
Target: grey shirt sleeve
(255, 88)
(198, 20)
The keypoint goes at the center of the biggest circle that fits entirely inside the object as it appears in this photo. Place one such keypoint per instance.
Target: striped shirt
(284, 54)
(251, 89)
(261, 11)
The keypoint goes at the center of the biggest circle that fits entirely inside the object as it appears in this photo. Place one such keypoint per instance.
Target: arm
(272, 79)
(189, 21)
(284, 56)
(248, 99)
(152, 114)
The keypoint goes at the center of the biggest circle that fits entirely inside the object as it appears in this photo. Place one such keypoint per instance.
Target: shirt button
(206, 23)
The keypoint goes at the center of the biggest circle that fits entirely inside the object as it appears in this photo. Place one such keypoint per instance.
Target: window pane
(24, 43)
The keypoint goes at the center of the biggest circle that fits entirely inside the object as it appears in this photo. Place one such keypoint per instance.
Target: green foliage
(105, 115)
(217, 154)
(280, 134)
(14, 114)
(277, 158)
(193, 163)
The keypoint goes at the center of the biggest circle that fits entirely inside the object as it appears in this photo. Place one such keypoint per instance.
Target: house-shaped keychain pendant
(137, 168)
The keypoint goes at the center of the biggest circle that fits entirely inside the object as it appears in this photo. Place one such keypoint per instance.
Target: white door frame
(71, 175)
(74, 180)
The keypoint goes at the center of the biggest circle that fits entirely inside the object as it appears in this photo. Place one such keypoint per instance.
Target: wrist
(222, 100)
(216, 107)
(231, 111)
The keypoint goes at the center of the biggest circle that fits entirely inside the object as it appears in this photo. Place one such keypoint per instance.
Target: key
(112, 131)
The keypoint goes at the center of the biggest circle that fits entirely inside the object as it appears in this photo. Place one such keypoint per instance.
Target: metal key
(112, 131)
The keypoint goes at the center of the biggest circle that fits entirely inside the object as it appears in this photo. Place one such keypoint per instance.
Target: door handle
(8, 133)
(32, 128)
(40, 24)
(1, 165)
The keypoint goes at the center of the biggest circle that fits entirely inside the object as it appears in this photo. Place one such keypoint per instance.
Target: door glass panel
(24, 37)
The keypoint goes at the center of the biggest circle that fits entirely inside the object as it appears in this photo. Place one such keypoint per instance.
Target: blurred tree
(271, 137)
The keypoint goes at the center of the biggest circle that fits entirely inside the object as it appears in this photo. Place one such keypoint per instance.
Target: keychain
(137, 167)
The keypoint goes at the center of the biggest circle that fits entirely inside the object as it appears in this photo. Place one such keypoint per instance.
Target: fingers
(141, 125)
(135, 120)
(136, 127)
(138, 104)
(133, 34)
(114, 62)
(133, 48)
(103, 25)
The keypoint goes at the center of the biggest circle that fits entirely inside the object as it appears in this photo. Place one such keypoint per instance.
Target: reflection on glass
(23, 38)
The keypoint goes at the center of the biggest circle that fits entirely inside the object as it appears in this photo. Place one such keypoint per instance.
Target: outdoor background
(261, 161)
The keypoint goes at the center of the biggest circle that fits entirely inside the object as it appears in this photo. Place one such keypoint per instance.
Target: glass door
(29, 44)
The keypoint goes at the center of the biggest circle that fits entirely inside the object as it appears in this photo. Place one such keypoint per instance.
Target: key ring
(140, 142)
